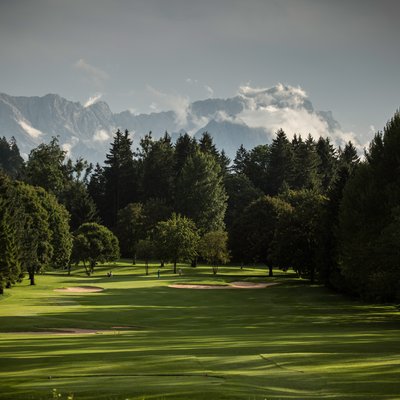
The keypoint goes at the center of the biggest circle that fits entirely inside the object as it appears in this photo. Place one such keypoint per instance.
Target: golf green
(141, 339)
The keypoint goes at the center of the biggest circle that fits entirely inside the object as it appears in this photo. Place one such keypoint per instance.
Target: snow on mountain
(250, 118)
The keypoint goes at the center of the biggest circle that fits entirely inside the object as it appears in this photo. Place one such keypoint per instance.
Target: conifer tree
(11, 161)
(119, 177)
(185, 147)
(328, 163)
(157, 169)
(280, 168)
(305, 165)
(202, 196)
(369, 219)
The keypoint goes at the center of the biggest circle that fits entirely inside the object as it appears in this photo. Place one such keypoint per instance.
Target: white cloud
(209, 90)
(288, 108)
(93, 99)
(101, 135)
(68, 146)
(170, 102)
(200, 85)
(95, 75)
(30, 130)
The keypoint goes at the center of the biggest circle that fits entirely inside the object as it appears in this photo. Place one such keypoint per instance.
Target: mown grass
(290, 341)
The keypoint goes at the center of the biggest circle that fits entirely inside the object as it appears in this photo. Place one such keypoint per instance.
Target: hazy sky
(143, 55)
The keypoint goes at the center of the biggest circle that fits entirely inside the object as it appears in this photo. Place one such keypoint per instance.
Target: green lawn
(289, 341)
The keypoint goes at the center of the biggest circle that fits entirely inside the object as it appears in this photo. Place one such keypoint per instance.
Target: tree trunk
(162, 264)
(312, 275)
(69, 269)
(271, 273)
(31, 276)
(1, 290)
(147, 267)
(92, 265)
(174, 267)
(86, 269)
(215, 269)
(194, 262)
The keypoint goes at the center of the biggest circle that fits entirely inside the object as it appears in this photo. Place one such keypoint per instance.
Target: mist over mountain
(250, 118)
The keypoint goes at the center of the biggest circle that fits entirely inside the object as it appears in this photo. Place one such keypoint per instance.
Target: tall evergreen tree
(202, 196)
(185, 147)
(280, 168)
(240, 161)
(130, 229)
(241, 192)
(11, 161)
(328, 163)
(157, 169)
(119, 176)
(369, 219)
(305, 165)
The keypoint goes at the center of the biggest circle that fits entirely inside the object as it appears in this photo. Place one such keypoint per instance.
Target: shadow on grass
(289, 341)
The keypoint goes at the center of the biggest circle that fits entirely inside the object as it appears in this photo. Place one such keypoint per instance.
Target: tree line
(299, 203)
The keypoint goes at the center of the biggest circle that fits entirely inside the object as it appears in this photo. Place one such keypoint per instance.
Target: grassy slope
(290, 341)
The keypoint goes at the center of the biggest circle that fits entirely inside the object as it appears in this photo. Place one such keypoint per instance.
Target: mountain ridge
(249, 118)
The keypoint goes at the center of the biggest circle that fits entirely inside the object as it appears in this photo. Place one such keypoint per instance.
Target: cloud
(93, 99)
(209, 90)
(191, 81)
(67, 147)
(101, 135)
(95, 75)
(288, 108)
(30, 130)
(197, 84)
(170, 102)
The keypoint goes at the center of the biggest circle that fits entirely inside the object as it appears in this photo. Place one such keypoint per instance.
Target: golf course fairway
(134, 337)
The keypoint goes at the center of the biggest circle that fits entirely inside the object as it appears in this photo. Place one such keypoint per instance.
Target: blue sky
(149, 55)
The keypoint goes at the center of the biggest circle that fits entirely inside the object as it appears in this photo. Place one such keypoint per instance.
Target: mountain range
(249, 118)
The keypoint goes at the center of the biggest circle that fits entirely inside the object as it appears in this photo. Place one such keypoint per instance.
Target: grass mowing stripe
(290, 341)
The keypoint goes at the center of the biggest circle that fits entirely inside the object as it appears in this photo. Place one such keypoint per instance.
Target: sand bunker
(252, 285)
(64, 331)
(233, 285)
(70, 331)
(80, 289)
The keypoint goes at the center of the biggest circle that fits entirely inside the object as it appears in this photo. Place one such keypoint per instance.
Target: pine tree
(241, 160)
(280, 168)
(305, 165)
(119, 176)
(202, 196)
(157, 170)
(369, 218)
(328, 163)
(11, 161)
(185, 147)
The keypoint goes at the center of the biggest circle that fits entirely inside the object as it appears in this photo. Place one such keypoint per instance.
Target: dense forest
(301, 204)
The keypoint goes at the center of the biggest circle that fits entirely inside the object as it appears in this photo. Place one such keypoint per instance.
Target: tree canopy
(94, 243)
